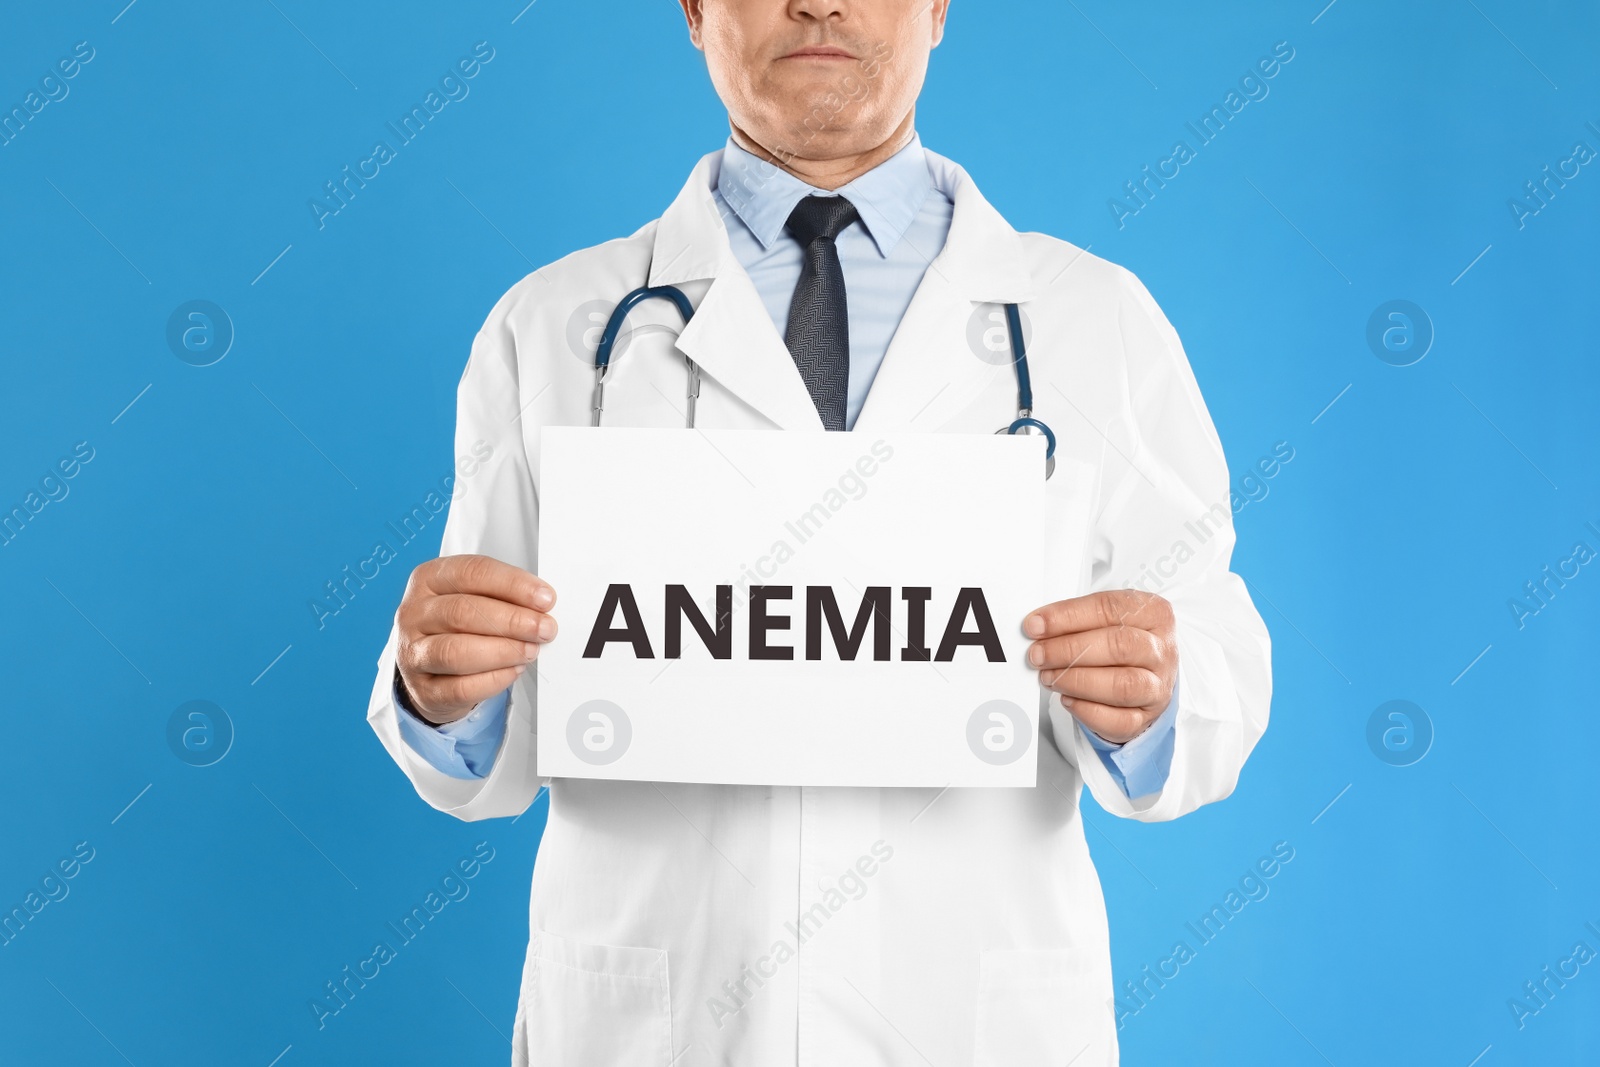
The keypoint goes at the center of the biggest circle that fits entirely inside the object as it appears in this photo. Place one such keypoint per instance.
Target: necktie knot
(820, 216)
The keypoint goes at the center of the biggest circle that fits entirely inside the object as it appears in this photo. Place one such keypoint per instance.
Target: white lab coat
(962, 928)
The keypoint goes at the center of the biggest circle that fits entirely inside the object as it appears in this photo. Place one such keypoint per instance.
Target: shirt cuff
(465, 748)
(1141, 766)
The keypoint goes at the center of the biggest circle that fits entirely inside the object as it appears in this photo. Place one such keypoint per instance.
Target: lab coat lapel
(929, 368)
(731, 336)
(934, 366)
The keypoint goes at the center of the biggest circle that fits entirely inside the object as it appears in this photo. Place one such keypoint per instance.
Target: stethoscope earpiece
(608, 341)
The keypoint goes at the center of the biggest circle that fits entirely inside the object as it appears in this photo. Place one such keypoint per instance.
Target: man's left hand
(1113, 657)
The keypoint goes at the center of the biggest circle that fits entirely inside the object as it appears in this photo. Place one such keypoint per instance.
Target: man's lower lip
(817, 55)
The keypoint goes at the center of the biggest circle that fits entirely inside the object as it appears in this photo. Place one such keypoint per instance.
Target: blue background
(180, 565)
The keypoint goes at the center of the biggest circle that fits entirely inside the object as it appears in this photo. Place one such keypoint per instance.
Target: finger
(467, 614)
(1117, 725)
(1121, 687)
(1115, 646)
(1111, 607)
(447, 693)
(485, 576)
(467, 653)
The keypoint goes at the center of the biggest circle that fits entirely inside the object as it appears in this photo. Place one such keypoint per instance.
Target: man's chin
(808, 142)
(813, 117)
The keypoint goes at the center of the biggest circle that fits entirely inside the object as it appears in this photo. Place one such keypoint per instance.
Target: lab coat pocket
(1042, 1006)
(595, 1005)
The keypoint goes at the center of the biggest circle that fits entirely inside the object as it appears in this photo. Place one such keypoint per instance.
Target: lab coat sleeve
(493, 512)
(1164, 523)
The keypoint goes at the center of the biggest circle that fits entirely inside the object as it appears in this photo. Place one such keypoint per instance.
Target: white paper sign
(780, 608)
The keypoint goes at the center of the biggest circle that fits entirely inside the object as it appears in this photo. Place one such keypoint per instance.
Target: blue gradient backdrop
(180, 563)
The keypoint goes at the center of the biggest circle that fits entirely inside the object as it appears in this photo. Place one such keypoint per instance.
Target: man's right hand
(469, 625)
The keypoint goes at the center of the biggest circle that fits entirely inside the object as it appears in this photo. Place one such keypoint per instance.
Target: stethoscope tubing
(619, 315)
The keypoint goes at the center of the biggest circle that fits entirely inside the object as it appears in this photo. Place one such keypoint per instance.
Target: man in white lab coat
(843, 278)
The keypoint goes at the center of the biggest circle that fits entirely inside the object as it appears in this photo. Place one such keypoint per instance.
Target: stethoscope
(1024, 422)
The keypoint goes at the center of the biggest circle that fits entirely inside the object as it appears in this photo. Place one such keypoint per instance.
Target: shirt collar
(887, 197)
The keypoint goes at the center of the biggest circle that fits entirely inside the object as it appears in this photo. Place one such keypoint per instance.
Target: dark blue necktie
(818, 334)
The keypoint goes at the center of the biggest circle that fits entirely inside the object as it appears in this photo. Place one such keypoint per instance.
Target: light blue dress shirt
(905, 219)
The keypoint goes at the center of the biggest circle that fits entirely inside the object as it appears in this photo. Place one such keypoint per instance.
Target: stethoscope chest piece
(1026, 423)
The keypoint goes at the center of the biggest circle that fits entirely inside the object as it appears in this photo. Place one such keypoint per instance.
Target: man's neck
(830, 173)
